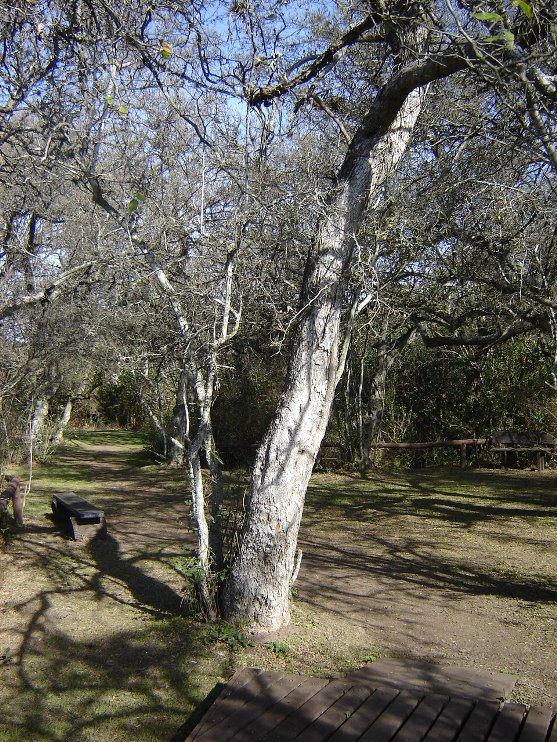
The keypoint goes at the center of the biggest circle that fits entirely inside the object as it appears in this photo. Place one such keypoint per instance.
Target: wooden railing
(461, 443)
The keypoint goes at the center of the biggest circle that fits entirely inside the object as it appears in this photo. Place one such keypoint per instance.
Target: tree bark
(256, 592)
(5, 452)
(387, 354)
(36, 428)
(178, 425)
(63, 422)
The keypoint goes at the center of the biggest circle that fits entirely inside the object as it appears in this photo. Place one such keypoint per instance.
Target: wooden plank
(394, 716)
(295, 724)
(553, 734)
(536, 725)
(431, 444)
(429, 677)
(288, 705)
(478, 724)
(422, 719)
(227, 701)
(451, 720)
(364, 717)
(271, 706)
(508, 722)
(234, 726)
(336, 715)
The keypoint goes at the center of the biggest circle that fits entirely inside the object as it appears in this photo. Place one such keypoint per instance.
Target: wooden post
(13, 493)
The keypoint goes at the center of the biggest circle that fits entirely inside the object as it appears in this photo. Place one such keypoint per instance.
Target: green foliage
(524, 6)
(278, 647)
(166, 50)
(488, 16)
(230, 635)
(119, 402)
(138, 199)
(434, 395)
(189, 568)
(120, 108)
(195, 576)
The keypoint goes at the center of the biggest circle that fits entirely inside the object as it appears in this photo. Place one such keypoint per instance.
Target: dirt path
(452, 586)
(98, 650)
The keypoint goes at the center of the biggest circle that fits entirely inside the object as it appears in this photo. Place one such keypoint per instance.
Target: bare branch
(44, 295)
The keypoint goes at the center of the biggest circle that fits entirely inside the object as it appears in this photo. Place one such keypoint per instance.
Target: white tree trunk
(178, 425)
(63, 423)
(257, 590)
(36, 428)
(205, 595)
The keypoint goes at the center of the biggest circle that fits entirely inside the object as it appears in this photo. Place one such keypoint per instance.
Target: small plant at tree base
(278, 647)
(190, 569)
(227, 634)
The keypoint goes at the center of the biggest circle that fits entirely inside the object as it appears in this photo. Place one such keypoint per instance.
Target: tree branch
(322, 63)
(44, 295)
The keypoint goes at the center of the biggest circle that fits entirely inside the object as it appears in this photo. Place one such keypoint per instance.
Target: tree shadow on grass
(128, 685)
(149, 592)
(459, 498)
(116, 679)
(377, 538)
(411, 566)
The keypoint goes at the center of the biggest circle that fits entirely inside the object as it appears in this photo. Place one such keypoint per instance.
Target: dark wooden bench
(510, 443)
(81, 518)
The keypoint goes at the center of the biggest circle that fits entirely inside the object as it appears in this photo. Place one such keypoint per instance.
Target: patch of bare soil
(430, 567)
(442, 575)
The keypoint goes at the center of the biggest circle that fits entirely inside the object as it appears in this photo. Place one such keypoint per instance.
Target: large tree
(349, 84)
(427, 43)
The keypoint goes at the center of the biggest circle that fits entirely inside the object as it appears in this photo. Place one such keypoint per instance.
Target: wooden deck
(272, 706)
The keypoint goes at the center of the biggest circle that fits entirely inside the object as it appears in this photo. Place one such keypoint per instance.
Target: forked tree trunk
(256, 592)
(63, 423)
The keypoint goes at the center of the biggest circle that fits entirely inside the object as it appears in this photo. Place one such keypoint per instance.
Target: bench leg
(58, 513)
(87, 531)
(75, 533)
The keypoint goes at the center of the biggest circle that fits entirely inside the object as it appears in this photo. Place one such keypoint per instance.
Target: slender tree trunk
(215, 504)
(63, 422)
(209, 541)
(67, 413)
(5, 452)
(257, 590)
(205, 593)
(178, 425)
(387, 354)
(36, 428)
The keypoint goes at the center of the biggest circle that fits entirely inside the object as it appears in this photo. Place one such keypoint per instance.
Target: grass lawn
(97, 643)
